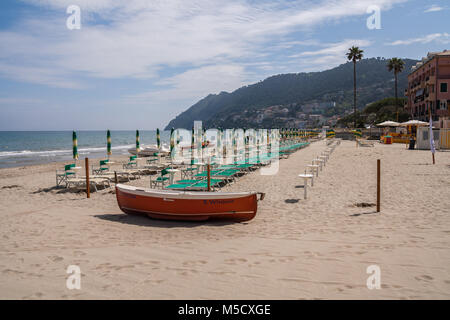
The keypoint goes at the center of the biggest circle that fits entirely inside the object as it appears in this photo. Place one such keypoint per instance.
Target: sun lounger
(81, 182)
(196, 186)
(365, 143)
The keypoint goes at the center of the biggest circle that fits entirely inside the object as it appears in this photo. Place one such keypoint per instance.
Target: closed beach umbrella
(75, 145)
(233, 141)
(108, 143)
(172, 143)
(218, 143)
(172, 139)
(158, 139)
(192, 146)
(138, 148)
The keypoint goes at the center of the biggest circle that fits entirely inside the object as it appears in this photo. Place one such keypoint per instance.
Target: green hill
(280, 100)
(376, 112)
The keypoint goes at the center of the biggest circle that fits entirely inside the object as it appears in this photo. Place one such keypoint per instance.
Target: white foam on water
(49, 153)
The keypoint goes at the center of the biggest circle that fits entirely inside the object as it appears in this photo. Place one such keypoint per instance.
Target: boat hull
(193, 206)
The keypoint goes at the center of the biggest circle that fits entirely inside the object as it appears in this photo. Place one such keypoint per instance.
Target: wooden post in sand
(208, 170)
(88, 189)
(378, 184)
(431, 136)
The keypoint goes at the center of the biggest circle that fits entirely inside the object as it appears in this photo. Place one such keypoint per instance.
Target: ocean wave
(48, 153)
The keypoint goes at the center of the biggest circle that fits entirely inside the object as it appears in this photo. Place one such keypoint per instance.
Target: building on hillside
(429, 87)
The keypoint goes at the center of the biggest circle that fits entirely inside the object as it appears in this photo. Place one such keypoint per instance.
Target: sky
(136, 64)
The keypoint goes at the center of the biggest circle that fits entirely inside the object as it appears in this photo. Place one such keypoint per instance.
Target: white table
(314, 167)
(305, 177)
(172, 173)
(319, 162)
(324, 158)
(326, 154)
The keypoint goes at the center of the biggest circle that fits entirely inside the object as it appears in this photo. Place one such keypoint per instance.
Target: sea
(22, 148)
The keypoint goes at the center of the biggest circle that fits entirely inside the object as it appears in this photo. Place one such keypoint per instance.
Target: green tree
(354, 54)
(396, 65)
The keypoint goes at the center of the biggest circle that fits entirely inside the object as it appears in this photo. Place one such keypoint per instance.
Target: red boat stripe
(188, 214)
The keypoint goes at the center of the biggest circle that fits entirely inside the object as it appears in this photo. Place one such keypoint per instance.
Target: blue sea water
(21, 148)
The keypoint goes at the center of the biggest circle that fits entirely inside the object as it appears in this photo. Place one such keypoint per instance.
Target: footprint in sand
(235, 261)
(79, 253)
(55, 258)
(194, 263)
(130, 266)
(34, 295)
(10, 271)
(424, 277)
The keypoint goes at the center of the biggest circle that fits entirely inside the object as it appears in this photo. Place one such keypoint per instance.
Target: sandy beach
(317, 248)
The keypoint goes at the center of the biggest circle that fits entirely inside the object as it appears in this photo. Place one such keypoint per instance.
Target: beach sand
(317, 248)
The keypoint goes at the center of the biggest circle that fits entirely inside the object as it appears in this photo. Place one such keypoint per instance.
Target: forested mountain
(289, 99)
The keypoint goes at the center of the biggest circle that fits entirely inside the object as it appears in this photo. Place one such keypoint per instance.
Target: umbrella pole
(378, 184)
(88, 189)
(208, 168)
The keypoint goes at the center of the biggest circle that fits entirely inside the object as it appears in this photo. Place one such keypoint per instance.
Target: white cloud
(339, 48)
(213, 79)
(328, 55)
(140, 37)
(443, 38)
(434, 8)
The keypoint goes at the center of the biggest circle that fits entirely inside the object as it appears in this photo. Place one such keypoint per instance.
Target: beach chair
(61, 176)
(153, 159)
(103, 167)
(132, 163)
(188, 172)
(160, 180)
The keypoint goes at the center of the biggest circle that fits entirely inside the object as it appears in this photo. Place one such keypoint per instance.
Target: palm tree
(354, 54)
(396, 65)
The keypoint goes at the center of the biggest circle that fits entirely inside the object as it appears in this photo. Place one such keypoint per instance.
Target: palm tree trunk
(396, 94)
(354, 94)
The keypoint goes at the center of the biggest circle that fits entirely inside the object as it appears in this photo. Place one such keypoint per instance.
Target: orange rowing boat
(183, 205)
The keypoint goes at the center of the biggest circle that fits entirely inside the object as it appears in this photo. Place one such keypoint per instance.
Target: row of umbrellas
(284, 133)
(108, 142)
(403, 124)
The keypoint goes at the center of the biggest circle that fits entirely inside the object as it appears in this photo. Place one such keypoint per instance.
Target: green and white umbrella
(138, 148)
(75, 145)
(192, 146)
(158, 139)
(172, 142)
(108, 143)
